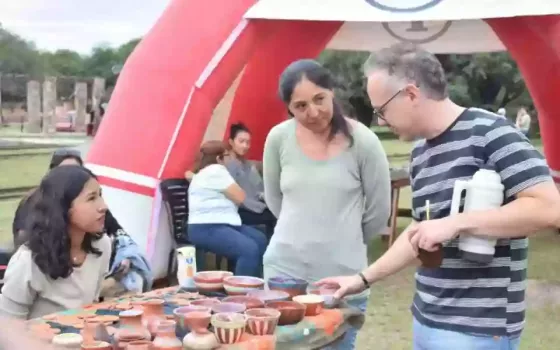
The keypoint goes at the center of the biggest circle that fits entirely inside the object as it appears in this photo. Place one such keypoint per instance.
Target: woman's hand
(344, 285)
(124, 266)
(189, 175)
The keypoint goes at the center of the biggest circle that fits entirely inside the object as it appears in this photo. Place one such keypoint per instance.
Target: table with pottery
(223, 312)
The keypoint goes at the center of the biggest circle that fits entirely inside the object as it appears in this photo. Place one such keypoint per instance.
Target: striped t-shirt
(463, 296)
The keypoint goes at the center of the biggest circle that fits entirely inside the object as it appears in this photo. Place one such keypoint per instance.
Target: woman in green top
(326, 179)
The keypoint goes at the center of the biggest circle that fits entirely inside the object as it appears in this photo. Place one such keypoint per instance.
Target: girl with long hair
(66, 256)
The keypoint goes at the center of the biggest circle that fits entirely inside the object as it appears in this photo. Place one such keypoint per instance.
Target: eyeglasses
(378, 112)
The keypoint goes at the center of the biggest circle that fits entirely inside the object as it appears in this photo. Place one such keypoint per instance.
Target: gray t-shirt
(249, 179)
(327, 210)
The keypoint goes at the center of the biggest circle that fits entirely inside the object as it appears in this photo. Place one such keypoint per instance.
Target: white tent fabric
(399, 10)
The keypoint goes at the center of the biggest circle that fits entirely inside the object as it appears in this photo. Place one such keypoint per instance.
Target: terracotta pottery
(97, 345)
(269, 295)
(327, 294)
(206, 341)
(210, 281)
(292, 286)
(154, 313)
(249, 302)
(314, 303)
(131, 327)
(262, 321)
(166, 338)
(198, 321)
(229, 327)
(184, 325)
(240, 285)
(228, 307)
(291, 312)
(90, 329)
(140, 345)
(67, 340)
(208, 302)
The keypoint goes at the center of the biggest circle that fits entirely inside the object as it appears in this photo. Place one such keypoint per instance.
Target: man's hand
(344, 285)
(429, 234)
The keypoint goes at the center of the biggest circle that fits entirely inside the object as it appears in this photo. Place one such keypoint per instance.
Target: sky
(79, 25)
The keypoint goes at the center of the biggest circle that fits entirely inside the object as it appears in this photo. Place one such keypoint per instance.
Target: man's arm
(526, 178)
(399, 256)
(535, 209)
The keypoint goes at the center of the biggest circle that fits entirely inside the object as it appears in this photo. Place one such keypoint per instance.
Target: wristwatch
(364, 279)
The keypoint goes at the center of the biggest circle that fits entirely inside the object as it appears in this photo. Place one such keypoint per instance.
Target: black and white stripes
(464, 296)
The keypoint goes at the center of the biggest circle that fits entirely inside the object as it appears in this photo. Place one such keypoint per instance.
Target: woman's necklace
(78, 259)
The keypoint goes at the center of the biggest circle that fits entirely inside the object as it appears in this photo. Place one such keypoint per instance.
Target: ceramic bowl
(269, 295)
(327, 294)
(291, 312)
(97, 345)
(314, 303)
(229, 327)
(292, 286)
(210, 281)
(207, 302)
(192, 318)
(262, 321)
(240, 285)
(228, 308)
(249, 302)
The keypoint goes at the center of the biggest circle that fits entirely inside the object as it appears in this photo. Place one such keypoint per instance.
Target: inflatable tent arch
(209, 63)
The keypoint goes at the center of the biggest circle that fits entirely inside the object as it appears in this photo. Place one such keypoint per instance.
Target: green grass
(23, 171)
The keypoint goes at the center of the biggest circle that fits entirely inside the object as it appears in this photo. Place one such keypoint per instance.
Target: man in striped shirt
(460, 305)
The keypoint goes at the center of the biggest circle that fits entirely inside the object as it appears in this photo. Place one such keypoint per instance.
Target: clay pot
(198, 321)
(229, 327)
(291, 312)
(166, 338)
(292, 286)
(262, 321)
(207, 302)
(131, 328)
(90, 329)
(327, 294)
(314, 304)
(210, 281)
(206, 341)
(67, 340)
(269, 295)
(154, 313)
(140, 345)
(193, 322)
(97, 345)
(228, 307)
(240, 285)
(249, 302)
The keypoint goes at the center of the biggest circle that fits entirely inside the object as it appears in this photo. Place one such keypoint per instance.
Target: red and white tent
(206, 64)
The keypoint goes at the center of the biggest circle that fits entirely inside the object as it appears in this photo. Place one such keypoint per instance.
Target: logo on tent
(417, 32)
(403, 5)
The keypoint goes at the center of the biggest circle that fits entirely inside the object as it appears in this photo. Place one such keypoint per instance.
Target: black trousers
(266, 219)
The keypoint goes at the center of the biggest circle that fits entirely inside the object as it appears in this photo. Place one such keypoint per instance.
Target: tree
(63, 62)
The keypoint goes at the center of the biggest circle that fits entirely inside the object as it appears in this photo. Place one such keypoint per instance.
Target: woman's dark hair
(47, 226)
(320, 76)
(210, 152)
(112, 226)
(61, 154)
(235, 129)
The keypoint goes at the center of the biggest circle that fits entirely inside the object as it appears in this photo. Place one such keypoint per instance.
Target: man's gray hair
(411, 64)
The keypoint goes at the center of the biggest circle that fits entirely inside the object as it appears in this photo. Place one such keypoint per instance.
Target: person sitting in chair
(253, 210)
(214, 223)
